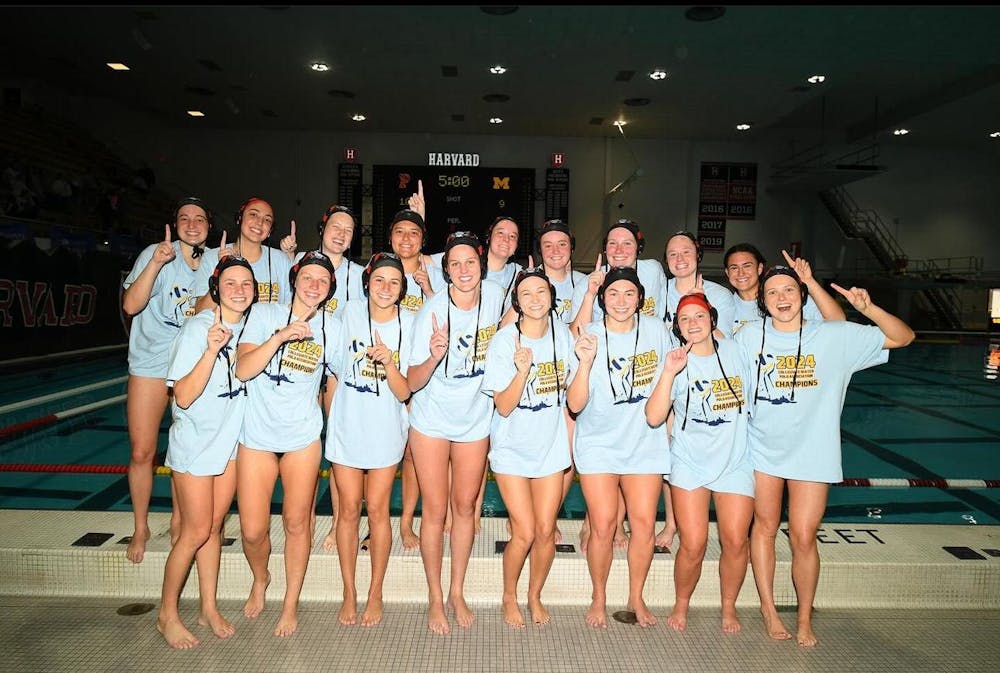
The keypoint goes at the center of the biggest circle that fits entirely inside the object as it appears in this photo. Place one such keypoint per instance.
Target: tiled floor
(86, 635)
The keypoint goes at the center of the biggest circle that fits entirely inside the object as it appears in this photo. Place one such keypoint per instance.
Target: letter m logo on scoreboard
(501, 183)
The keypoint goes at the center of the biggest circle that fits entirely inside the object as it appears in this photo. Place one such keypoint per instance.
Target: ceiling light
(319, 66)
(816, 79)
(743, 127)
(619, 123)
(498, 70)
(995, 134)
(496, 120)
(359, 118)
(118, 66)
(900, 132)
(658, 74)
(196, 113)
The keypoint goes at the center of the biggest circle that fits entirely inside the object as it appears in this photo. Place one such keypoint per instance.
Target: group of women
(645, 386)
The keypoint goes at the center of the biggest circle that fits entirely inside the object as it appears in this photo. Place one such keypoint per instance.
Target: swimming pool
(929, 414)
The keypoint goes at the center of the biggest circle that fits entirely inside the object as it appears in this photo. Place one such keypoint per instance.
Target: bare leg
(330, 541)
(299, 471)
(378, 489)
(256, 473)
(209, 555)
(621, 537)
(734, 513)
(411, 494)
(351, 492)
(546, 497)
(641, 493)
(767, 518)
(195, 495)
(516, 494)
(691, 511)
(479, 502)
(601, 494)
(665, 538)
(806, 505)
(144, 407)
(468, 462)
(431, 460)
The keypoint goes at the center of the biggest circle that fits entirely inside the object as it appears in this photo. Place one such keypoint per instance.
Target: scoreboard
(457, 198)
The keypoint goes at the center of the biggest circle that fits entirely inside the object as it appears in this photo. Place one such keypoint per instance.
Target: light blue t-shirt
(612, 435)
(653, 280)
(283, 412)
(712, 444)
(799, 438)
(450, 406)
(203, 437)
(565, 290)
(719, 297)
(533, 440)
(746, 311)
(414, 298)
(171, 302)
(367, 425)
(348, 276)
(270, 271)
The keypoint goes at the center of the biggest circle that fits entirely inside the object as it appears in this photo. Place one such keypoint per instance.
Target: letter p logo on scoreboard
(501, 183)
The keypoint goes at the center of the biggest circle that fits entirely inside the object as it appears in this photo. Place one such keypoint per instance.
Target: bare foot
(437, 621)
(410, 539)
(136, 549)
(643, 617)
(774, 626)
(584, 539)
(176, 634)
(730, 620)
(805, 635)
(220, 626)
(463, 615)
(348, 611)
(539, 614)
(255, 602)
(512, 613)
(373, 612)
(597, 615)
(330, 541)
(621, 539)
(665, 538)
(287, 623)
(678, 618)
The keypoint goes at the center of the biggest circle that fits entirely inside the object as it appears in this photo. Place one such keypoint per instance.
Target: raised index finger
(218, 316)
(378, 339)
(598, 265)
(420, 188)
(222, 241)
(166, 237)
(293, 228)
(434, 322)
(788, 258)
(841, 290)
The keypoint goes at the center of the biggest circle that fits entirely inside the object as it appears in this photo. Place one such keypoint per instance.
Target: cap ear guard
(691, 237)
(524, 274)
(330, 211)
(554, 225)
(771, 272)
(373, 264)
(463, 238)
(319, 259)
(675, 328)
(225, 263)
(640, 240)
(621, 273)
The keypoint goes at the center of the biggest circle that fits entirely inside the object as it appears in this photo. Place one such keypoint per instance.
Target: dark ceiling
(571, 70)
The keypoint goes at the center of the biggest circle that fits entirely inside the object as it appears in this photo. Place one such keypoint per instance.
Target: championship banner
(728, 192)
